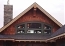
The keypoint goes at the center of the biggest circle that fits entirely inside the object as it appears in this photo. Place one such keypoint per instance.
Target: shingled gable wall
(41, 17)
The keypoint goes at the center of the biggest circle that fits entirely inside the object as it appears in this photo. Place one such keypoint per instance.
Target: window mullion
(42, 28)
(26, 28)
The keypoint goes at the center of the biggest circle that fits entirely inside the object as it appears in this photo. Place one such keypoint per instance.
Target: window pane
(20, 31)
(34, 31)
(47, 27)
(21, 26)
(30, 31)
(34, 25)
(38, 31)
(47, 31)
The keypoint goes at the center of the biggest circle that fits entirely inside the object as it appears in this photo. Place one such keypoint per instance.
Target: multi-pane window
(33, 28)
(47, 29)
(20, 28)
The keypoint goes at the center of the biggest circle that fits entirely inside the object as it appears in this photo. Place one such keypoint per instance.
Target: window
(47, 29)
(33, 28)
(20, 28)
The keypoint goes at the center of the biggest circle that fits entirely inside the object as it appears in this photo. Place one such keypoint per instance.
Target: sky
(53, 7)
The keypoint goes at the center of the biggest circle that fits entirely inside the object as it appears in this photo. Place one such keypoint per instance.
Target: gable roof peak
(34, 5)
(25, 11)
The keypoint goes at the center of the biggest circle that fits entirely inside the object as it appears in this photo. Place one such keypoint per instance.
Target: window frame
(25, 29)
(47, 29)
(19, 28)
(33, 28)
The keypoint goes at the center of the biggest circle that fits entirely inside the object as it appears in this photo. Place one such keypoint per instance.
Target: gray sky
(53, 7)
